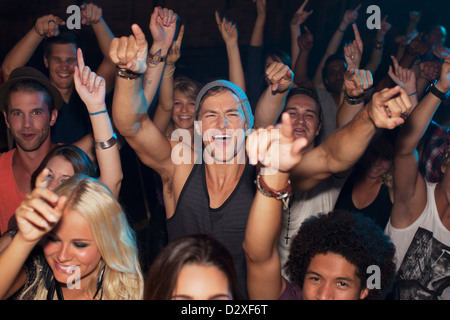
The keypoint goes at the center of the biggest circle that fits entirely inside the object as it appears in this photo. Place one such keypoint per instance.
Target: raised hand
(356, 81)
(163, 25)
(444, 80)
(40, 211)
(90, 14)
(353, 50)
(48, 26)
(260, 8)
(305, 41)
(275, 147)
(280, 76)
(90, 87)
(351, 15)
(130, 52)
(429, 70)
(405, 78)
(417, 46)
(384, 26)
(301, 15)
(175, 50)
(227, 29)
(389, 107)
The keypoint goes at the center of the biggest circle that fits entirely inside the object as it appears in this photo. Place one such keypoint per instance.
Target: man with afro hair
(332, 257)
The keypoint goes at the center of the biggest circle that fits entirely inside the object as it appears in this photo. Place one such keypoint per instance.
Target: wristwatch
(355, 100)
(438, 93)
(155, 59)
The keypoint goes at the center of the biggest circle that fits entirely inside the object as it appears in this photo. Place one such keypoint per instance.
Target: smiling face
(61, 65)
(71, 246)
(183, 111)
(305, 118)
(201, 282)
(223, 125)
(29, 119)
(331, 277)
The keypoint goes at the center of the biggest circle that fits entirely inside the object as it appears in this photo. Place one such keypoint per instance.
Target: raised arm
(377, 51)
(92, 89)
(163, 24)
(409, 185)
(36, 216)
(405, 78)
(257, 37)
(18, 56)
(129, 103)
(92, 15)
(264, 280)
(297, 20)
(342, 148)
(163, 112)
(350, 17)
(305, 43)
(271, 102)
(356, 83)
(353, 50)
(229, 33)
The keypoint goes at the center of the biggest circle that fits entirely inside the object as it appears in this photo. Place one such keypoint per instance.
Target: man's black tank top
(227, 223)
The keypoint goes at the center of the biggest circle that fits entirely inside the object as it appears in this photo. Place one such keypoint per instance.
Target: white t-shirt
(423, 254)
(320, 199)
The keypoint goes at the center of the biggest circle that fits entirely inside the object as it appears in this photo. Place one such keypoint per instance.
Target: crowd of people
(267, 185)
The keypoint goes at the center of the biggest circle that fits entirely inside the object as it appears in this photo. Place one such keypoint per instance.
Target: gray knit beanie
(236, 90)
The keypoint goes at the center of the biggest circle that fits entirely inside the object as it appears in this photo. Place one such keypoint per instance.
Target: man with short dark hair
(30, 105)
(60, 58)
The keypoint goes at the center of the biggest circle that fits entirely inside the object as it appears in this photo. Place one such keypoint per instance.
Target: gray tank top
(227, 223)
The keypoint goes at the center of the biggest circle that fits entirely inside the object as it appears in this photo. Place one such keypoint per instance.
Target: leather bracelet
(283, 194)
(126, 74)
(355, 100)
(106, 144)
(269, 192)
(438, 93)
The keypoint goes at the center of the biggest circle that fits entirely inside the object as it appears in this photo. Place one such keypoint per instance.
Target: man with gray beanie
(209, 190)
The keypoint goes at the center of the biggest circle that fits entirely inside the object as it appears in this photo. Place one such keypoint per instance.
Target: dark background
(203, 51)
(203, 54)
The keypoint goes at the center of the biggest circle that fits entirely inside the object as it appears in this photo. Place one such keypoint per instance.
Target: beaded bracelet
(283, 194)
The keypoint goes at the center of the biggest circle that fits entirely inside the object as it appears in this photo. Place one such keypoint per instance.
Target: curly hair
(349, 234)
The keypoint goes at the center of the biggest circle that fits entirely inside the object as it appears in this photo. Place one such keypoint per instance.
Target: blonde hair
(122, 278)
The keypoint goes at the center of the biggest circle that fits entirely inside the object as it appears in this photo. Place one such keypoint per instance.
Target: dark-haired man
(30, 105)
(60, 57)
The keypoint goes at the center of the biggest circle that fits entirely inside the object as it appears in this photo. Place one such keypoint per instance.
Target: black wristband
(355, 100)
(438, 93)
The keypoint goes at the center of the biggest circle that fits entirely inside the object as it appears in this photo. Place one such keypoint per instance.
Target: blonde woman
(74, 243)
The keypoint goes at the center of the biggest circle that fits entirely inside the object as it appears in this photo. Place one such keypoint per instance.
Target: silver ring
(51, 21)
